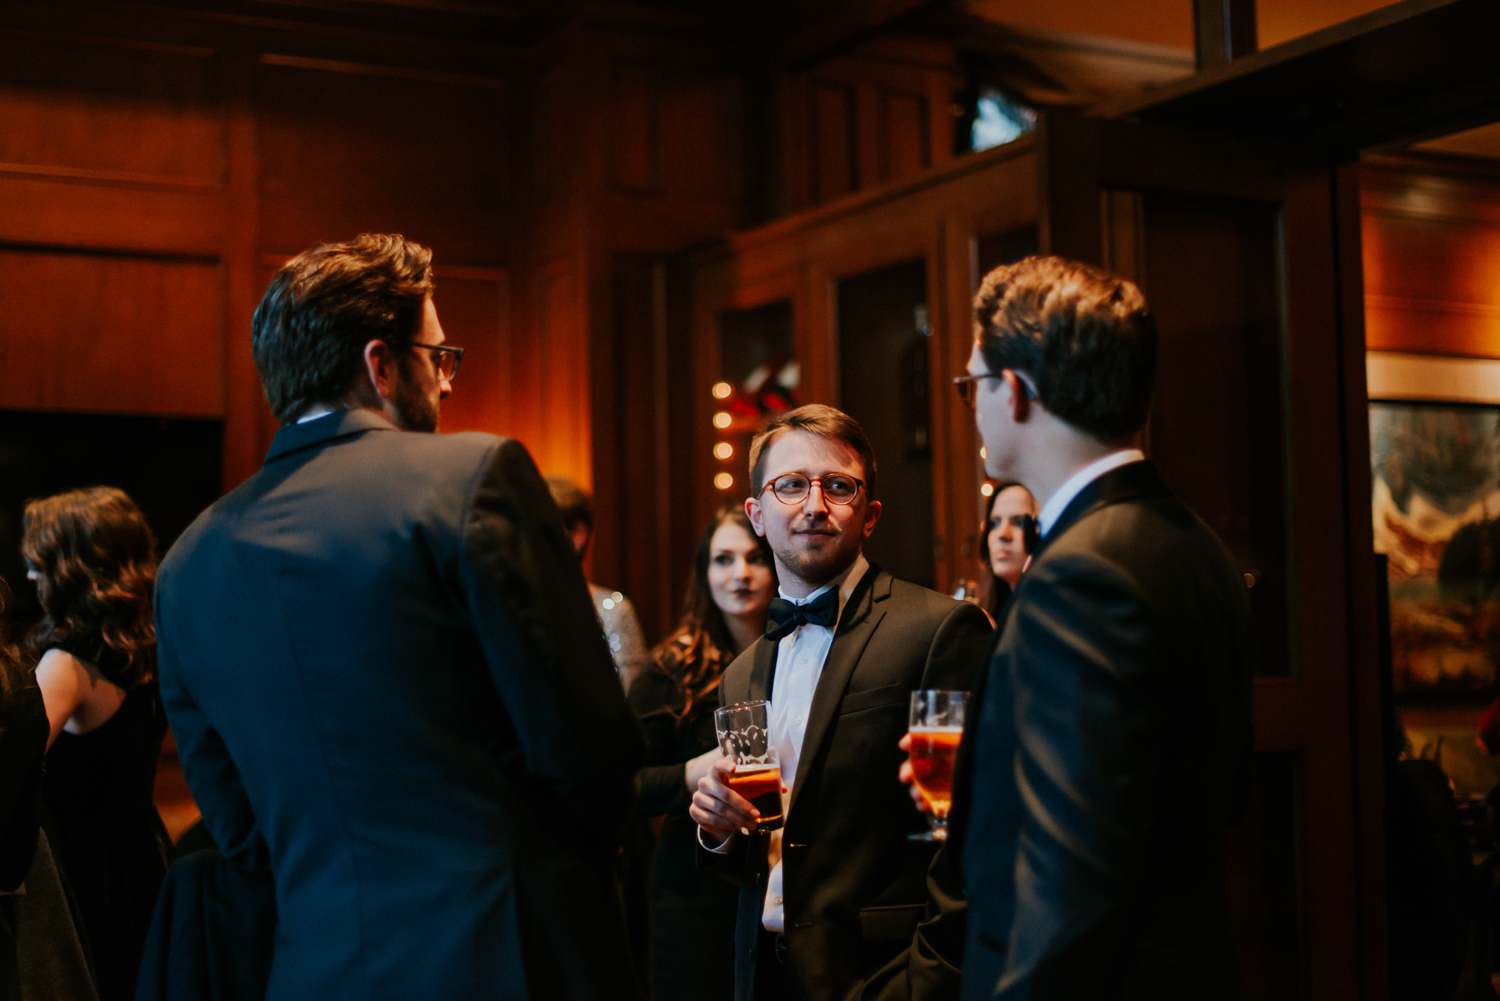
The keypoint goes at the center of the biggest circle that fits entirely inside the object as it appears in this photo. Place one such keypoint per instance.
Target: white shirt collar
(846, 583)
(1073, 485)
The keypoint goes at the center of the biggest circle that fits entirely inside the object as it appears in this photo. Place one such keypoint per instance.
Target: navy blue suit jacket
(389, 689)
(1108, 757)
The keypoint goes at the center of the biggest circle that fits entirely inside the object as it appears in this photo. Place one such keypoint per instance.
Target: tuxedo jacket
(1108, 758)
(389, 689)
(854, 886)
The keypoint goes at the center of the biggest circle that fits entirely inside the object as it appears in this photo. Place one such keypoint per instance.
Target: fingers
(905, 774)
(720, 809)
(905, 743)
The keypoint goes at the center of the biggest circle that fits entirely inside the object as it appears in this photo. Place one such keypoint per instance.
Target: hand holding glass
(935, 730)
(745, 736)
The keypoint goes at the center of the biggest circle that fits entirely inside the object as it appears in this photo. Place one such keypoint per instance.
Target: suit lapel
(762, 670)
(857, 623)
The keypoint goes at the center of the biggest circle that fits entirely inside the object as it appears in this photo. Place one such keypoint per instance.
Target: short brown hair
(310, 330)
(1085, 337)
(95, 559)
(815, 418)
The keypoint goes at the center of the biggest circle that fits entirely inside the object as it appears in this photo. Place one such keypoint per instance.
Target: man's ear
(380, 366)
(752, 511)
(1020, 401)
(872, 515)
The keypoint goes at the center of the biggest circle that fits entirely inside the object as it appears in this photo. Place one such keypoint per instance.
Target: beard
(818, 566)
(411, 409)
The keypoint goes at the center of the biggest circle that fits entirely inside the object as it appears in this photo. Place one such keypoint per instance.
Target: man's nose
(815, 504)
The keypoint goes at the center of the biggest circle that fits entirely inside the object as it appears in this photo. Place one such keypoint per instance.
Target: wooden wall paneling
(905, 135)
(635, 160)
(352, 147)
(474, 308)
(869, 132)
(109, 109)
(249, 425)
(702, 123)
(1431, 246)
(110, 333)
(834, 138)
(563, 445)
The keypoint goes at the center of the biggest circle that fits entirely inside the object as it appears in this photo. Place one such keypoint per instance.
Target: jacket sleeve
(210, 771)
(929, 969)
(546, 652)
(1088, 704)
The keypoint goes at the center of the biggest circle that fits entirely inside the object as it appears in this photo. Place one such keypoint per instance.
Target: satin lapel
(763, 670)
(849, 643)
(1129, 482)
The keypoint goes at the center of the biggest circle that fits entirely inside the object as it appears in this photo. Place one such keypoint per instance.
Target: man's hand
(910, 780)
(718, 809)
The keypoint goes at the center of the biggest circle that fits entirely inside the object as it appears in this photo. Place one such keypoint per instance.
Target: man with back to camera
(1111, 745)
(838, 891)
(384, 674)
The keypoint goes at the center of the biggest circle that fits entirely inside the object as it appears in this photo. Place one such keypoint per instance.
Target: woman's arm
(64, 682)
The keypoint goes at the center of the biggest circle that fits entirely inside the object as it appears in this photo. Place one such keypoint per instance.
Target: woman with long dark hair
(1005, 545)
(693, 911)
(93, 558)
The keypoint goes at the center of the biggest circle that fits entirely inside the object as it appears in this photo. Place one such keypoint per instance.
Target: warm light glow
(723, 481)
(722, 390)
(722, 419)
(987, 489)
(984, 453)
(723, 450)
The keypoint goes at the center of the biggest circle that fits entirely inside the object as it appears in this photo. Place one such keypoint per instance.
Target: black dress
(109, 838)
(692, 910)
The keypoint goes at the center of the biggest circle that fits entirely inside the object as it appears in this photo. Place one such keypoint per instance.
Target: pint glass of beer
(937, 726)
(745, 735)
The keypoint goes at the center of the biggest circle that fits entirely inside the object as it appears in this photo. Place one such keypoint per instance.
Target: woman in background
(1006, 544)
(693, 911)
(93, 558)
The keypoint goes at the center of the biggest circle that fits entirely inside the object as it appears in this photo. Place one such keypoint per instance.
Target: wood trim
(379, 70)
(118, 178)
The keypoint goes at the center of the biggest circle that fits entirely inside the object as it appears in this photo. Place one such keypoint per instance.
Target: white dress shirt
(799, 664)
(1073, 485)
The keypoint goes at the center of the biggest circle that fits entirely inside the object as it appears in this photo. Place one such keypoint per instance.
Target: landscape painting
(1436, 505)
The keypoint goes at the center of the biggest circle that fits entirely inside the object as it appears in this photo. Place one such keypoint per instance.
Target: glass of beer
(745, 736)
(936, 727)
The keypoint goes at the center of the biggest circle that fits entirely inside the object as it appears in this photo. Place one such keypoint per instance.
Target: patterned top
(623, 631)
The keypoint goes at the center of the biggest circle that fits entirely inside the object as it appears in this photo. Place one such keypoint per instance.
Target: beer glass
(745, 736)
(936, 727)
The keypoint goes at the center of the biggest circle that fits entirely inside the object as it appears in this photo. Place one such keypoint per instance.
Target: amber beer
(761, 785)
(936, 728)
(933, 752)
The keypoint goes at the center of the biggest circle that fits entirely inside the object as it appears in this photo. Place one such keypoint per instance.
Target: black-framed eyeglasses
(444, 358)
(967, 386)
(793, 488)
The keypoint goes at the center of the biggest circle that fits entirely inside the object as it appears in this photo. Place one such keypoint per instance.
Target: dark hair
(309, 332)
(571, 501)
(696, 655)
(993, 590)
(95, 559)
(1085, 337)
(814, 418)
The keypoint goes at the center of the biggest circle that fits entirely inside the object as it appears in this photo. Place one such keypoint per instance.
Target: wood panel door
(1257, 423)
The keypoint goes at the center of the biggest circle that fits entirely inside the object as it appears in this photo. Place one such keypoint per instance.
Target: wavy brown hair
(95, 560)
(696, 655)
(10, 657)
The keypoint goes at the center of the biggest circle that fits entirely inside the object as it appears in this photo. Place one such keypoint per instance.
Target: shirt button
(778, 900)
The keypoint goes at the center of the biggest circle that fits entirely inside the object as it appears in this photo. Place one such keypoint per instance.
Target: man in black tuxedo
(1110, 750)
(384, 674)
(839, 890)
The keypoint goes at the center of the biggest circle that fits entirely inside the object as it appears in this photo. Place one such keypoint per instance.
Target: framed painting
(1435, 496)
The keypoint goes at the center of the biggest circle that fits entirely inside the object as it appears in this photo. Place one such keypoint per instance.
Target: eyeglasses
(793, 488)
(967, 386)
(445, 358)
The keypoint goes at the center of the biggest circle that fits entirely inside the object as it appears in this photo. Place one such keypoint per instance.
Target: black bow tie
(783, 616)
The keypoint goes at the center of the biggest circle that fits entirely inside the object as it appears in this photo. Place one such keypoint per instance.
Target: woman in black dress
(692, 911)
(93, 559)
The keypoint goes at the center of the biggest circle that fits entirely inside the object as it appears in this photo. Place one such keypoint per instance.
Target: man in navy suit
(385, 676)
(1109, 747)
